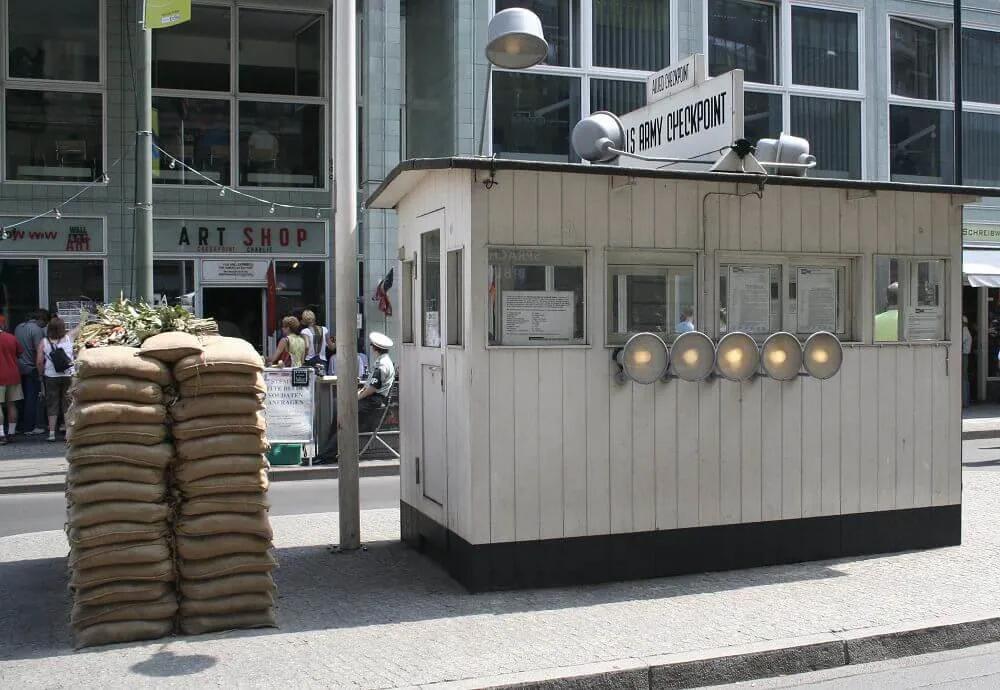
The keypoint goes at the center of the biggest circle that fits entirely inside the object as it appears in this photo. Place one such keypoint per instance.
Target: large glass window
(173, 283)
(980, 61)
(742, 35)
(632, 34)
(58, 41)
(74, 280)
(833, 129)
(278, 144)
(618, 97)
(281, 53)
(824, 48)
(560, 22)
(919, 144)
(195, 131)
(53, 136)
(301, 285)
(650, 294)
(981, 147)
(761, 116)
(430, 288)
(534, 114)
(914, 56)
(194, 55)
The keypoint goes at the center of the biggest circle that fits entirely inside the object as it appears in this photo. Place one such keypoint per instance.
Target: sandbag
(227, 586)
(119, 554)
(224, 384)
(115, 533)
(115, 491)
(194, 470)
(84, 415)
(117, 360)
(170, 347)
(123, 592)
(132, 572)
(84, 616)
(256, 482)
(120, 388)
(225, 523)
(113, 472)
(229, 355)
(197, 625)
(158, 456)
(116, 511)
(236, 564)
(223, 444)
(202, 548)
(236, 603)
(224, 503)
(139, 434)
(214, 405)
(253, 423)
(123, 631)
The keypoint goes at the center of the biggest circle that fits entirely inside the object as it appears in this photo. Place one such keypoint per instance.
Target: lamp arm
(486, 105)
(655, 159)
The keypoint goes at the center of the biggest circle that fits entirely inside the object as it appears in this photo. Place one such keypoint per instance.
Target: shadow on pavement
(166, 664)
(34, 609)
(982, 463)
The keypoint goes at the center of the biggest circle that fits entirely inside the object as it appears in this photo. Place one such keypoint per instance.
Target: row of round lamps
(645, 358)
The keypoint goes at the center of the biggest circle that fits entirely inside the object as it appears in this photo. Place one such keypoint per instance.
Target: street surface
(983, 454)
(21, 513)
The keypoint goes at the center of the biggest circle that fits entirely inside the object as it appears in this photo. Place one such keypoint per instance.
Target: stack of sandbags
(223, 535)
(121, 565)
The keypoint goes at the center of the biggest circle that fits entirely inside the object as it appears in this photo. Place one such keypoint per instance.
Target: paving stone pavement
(387, 617)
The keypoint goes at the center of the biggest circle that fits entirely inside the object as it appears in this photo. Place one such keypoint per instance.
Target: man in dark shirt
(30, 334)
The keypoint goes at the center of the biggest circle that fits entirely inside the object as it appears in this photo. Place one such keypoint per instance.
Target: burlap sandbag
(115, 491)
(213, 405)
(253, 423)
(116, 360)
(115, 533)
(236, 564)
(229, 355)
(170, 347)
(250, 385)
(256, 482)
(123, 631)
(225, 523)
(84, 616)
(233, 585)
(223, 444)
(224, 503)
(158, 456)
(196, 625)
(132, 572)
(202, 548)
(123, 593)
(237, 603)
(84, 415)
(113, 471)
(120, 554)
(194, 470)
(116, 511)
(139, 434)
(120, 388)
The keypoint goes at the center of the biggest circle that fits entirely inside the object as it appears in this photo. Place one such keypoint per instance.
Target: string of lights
(173, 162)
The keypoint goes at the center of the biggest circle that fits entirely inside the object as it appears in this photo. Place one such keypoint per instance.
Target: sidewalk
(981, 421)
(387, 617)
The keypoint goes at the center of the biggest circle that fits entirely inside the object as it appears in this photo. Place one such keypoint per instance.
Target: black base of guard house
(641, 555)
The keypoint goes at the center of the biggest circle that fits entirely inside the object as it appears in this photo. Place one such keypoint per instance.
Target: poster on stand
(288, 408)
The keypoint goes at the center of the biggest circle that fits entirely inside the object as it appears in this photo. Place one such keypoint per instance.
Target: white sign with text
(676, 78)
(234, 272)
(288, 409)
(536, 316)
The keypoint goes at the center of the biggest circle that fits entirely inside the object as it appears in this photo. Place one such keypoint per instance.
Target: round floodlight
(515, 39)
(822, 355)
(781, 355)
(644, 358)
(736, 357)
(595, 134)
(693, 356)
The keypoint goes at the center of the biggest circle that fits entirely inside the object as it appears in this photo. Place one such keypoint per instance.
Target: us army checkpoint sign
(693, 124)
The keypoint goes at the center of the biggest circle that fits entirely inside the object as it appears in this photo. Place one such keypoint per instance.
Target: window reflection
(281, 53)
(919, 140)
(194, 55)
(833, 129)
(278, 144)
(54, 136)
(196, 132)
(534, 114)
(60, 41)
(741, 35)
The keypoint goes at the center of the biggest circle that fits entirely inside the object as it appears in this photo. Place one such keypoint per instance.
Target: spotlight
(644, 359)
(736, 357)
(823, 355)
(693, 356)
(782, 356)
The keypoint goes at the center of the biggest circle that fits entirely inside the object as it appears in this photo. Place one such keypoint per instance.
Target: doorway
(239, 311)
(19, 295)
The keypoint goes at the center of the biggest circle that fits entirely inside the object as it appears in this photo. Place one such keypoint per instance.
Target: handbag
(61, 361)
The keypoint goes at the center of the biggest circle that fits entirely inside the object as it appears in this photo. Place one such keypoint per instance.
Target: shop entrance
(239, 312)
(19, 293)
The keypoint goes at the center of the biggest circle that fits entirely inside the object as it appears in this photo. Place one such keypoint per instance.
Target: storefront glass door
(19, 296)
(239, 312)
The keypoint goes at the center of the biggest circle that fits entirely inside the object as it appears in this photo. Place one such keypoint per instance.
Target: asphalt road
(972, 668)
(20, 513)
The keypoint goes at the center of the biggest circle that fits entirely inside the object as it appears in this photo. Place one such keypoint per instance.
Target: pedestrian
(55, 361)
(291, 350)
(10, 382)
(686, 324)
(319, 343)
(30, 334)
(966, 351)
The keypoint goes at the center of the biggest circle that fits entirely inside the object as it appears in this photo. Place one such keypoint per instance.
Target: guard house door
(433, 461)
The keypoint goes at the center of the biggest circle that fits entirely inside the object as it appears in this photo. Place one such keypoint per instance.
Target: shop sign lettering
(239, 237)
(54, 236)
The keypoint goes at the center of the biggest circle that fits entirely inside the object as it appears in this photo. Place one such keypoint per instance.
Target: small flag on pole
(382, 294)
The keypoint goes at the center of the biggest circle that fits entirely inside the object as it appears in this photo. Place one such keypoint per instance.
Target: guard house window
(536, 296)
(456, 288)
(430, 286)
(650, 294)
(52, 91)
(909, 299)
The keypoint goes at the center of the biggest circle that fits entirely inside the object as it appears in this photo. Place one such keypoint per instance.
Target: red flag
(272, 300)
(382, 294)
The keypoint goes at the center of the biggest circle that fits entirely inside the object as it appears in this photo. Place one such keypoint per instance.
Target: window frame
(644, 263)
(454, 296)
(907, 262)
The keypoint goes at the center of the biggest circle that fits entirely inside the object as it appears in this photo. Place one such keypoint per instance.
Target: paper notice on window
(924, 324)
(432, 329)
(750, 299)
(817, 299)
(531, 317)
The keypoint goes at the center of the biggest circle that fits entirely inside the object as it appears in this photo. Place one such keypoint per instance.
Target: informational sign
(817, 296)
(749, 299)
(162, 14)
(924, 316)
(291, 238)
(75, 312)
(234, 272)
(676, 78)
(432, 329)
(537, 316)
(924, 323)
(980, 233)
(694, 124)
(288, 408)
(54, 236)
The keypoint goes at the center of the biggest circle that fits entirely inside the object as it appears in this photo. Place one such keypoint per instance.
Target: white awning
(981, 267)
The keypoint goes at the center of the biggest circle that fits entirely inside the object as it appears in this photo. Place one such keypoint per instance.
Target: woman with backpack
(55, 361)
(318, 341)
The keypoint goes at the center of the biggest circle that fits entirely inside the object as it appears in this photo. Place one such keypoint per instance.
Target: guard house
(534, 455)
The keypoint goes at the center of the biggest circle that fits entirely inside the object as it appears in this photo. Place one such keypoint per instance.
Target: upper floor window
(743, 35)
(980, 60)
(915, 59)
(62, 43)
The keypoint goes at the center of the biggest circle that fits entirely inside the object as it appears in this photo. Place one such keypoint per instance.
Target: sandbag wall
(223, 536)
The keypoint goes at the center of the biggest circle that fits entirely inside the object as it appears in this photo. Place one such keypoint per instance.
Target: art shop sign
(222, 237)
(53, 236)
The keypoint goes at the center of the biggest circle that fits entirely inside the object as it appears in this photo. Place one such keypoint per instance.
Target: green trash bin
(285, 454)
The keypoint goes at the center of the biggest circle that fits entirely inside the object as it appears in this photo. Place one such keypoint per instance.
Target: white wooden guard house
(526, 462)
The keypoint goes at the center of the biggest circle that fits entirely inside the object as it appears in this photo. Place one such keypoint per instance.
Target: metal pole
(143, 258)
(959, 172)
(345, 201)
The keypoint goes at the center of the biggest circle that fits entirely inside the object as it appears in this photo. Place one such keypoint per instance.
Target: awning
(981, 267)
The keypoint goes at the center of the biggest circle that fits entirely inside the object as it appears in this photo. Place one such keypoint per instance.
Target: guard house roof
(405, 176)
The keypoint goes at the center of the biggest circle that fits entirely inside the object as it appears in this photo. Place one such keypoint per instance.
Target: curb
(370, 468)
(974, 434)
(750, 662)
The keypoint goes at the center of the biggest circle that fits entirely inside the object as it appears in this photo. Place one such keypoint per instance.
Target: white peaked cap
(380, 340)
